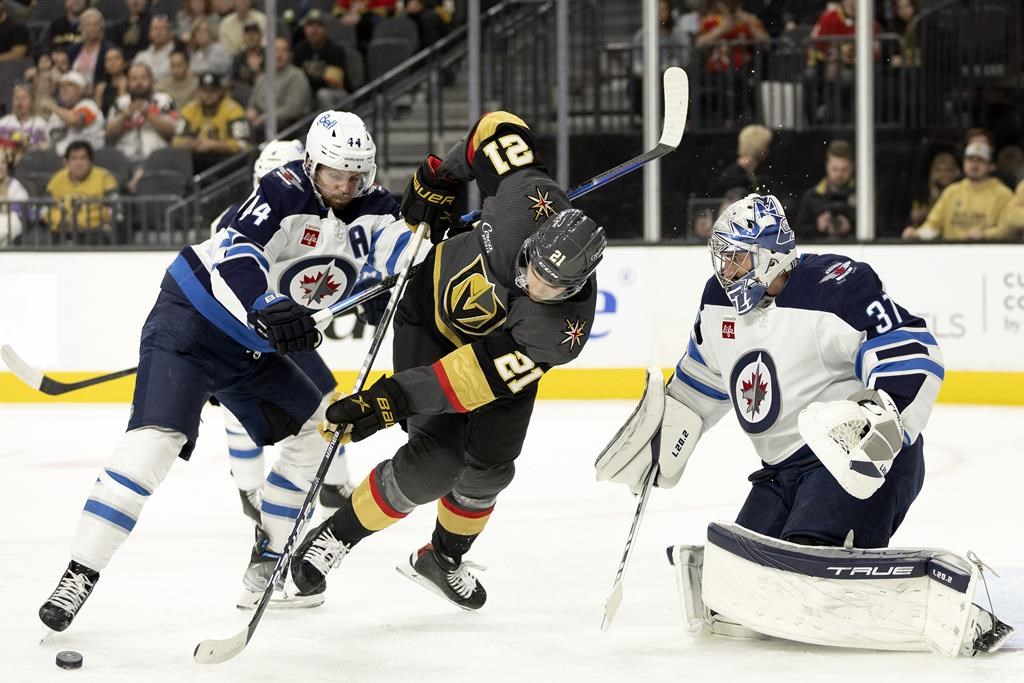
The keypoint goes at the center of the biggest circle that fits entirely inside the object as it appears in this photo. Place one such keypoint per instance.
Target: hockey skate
(74, 589)
(319, 553)
(251, 504)
(333, 496)
(990, 633)
(440, 574)
(262, 563)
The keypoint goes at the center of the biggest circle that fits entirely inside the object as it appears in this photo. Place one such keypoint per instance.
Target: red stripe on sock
(378, 498)
(463, 512)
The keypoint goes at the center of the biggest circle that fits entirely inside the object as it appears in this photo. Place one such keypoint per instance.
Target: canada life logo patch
(754, 389)
(728, 329)
(310, 237)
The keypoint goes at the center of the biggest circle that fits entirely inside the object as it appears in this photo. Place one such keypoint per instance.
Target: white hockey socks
(141, 461)
(247, 462)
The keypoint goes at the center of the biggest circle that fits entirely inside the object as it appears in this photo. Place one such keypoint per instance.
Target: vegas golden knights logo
(471, 302)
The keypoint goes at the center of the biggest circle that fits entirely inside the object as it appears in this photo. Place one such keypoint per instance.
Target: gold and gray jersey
(501, 341)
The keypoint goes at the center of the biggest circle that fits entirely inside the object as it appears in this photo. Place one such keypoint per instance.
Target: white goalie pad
(887, 599)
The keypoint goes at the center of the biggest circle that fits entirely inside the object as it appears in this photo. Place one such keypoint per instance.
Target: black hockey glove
(378, 407)
(371, 312)
(430, 199)
(288, 326)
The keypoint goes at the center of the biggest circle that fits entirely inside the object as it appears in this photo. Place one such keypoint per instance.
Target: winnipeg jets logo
(838, 271)
(288, 177)
(315, 288)
(574, 333)
(755, 391)
(542, 206)
(318, 281)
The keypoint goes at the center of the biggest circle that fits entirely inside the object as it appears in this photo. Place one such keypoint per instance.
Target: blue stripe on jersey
(128, 483)
(280, 482)
(694, 353)
(400, 245)
(240, 249)
(910, 366)
(888, 338)
(213, 310)
(104, 511)
(279, 510)
(245, 454)
(700, 386)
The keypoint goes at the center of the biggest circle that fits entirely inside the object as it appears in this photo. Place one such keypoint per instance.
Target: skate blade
(408, 571)
(248, 600)
(47, 634)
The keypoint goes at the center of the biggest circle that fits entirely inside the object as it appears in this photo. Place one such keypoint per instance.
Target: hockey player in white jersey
(229, 313)
(248, 468)
(833, 381)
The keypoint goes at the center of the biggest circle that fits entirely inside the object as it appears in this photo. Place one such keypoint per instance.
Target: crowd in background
(126, 106)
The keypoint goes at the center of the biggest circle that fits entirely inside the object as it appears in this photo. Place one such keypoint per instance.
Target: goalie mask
(340, 140)
(751, 244)
(564, 253)
(275, 153)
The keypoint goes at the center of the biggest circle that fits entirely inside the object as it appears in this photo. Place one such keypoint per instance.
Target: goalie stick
(214, 651)
(37, 380)
(677, 100)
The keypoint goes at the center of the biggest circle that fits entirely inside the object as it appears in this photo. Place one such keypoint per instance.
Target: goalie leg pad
(628, 456)
(888, 599)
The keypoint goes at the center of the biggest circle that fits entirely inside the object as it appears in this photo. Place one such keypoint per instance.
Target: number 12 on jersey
(517, 370)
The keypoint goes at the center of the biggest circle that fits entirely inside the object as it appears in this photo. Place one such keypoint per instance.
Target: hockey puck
(69, 659)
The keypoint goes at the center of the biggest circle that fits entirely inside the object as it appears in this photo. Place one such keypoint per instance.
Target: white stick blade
(611, 606)
(22, 370)
(677, 104)
(213, 651)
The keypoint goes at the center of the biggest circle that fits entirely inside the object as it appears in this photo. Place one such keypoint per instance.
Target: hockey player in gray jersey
(834, 382)
(486, 315)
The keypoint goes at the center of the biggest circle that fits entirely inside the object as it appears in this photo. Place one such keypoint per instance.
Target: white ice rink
(552, 547)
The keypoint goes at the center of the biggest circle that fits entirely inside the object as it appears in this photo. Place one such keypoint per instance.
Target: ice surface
(552, 548)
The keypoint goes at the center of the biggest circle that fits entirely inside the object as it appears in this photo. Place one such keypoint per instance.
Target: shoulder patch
(838, 271)
(288, 177)
(574, 333)
(542, 205)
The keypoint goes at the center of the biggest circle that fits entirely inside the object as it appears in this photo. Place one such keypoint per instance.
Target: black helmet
(564, 252)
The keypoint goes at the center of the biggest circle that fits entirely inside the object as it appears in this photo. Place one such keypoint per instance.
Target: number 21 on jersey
(514, 150)
(517, 370)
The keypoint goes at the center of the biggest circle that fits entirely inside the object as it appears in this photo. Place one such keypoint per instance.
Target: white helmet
(339, 140)
(275, 153)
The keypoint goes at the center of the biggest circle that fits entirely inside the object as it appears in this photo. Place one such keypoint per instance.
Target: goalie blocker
(907, 599)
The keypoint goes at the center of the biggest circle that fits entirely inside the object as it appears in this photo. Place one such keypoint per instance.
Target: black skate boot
(442, 575)
(319, 553)
(71, 593)
(251, 504)
(262, 562)
(333, 496)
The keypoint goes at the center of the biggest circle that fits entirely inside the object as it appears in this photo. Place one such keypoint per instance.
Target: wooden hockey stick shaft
(214, 651)
(677, 99)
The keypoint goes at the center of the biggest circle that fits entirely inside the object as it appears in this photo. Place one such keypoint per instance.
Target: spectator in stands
(830, 75)
(908, 52)
(161, 44)
(1010, 164)
(183, 84)
(363, 15)
(827, 210)
(969, 209)
(321, 60)
(429, 23)
(132, 34)
(116, 82)
(1011, 222)
(942, 173)
(213, 126)
(670, 52)
(14, 36)
(753, 144)
(88, 56)
(74, 117)
(221, 8)
(248, 64)
(143, 120)
(43, 77)
(191, 13)
(23, 119)
(65, 32)
(207, 54)
(291, 90)
(81, 179)
(984, 135)
(232, 26)
(727, 22)
(13, 214)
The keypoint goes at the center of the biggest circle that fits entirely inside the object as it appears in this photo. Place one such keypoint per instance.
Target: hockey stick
(677, 102)
(611, 605)
(213, 651)
(35, 378)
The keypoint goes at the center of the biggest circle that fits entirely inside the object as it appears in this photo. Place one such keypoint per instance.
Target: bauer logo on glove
(364, 413)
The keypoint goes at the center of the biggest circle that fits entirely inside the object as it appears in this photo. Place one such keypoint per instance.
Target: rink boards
(75, 315)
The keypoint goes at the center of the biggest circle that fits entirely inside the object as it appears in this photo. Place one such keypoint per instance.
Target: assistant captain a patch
(574, 332)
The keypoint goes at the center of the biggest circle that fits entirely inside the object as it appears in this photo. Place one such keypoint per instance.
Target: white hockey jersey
(833, 330)
(282, 240)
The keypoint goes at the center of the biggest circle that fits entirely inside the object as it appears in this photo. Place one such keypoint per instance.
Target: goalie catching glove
(365, 413)
(662, 432)
(430, 198)
(856, 439)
